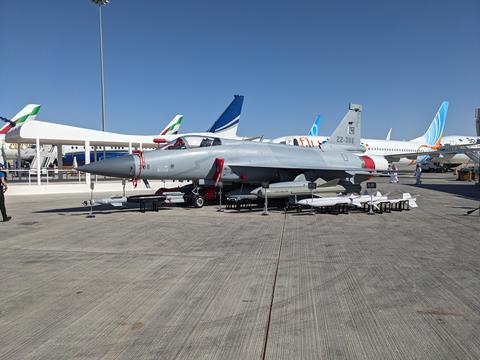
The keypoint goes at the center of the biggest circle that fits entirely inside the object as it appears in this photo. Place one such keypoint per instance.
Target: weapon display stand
(220, 186)
(90, 214)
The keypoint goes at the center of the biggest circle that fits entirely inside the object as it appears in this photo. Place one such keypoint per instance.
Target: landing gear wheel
(198, 201)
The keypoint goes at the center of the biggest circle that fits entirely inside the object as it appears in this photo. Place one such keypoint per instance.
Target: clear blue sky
(291, 60)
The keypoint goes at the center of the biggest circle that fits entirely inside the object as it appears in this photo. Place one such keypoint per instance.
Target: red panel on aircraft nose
(368, 162)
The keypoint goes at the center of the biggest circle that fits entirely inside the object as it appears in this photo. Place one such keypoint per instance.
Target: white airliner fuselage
(373, 147)
(459, 158)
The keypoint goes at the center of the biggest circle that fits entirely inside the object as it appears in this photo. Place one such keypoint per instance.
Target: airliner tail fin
(314, 130)
(173, 126)
(433, 135)
(227, 123)
(28, 113)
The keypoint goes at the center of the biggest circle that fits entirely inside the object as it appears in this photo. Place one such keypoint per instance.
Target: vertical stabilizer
(477, 121)
(348, 132)
(389, 135)
(314, 130)
(28, 113)
(434, 134)
(173, 126)
(227, 123)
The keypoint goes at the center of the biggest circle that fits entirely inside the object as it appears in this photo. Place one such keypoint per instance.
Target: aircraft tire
(198, 201)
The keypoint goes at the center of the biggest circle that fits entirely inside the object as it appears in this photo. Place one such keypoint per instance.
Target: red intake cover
(368, 162)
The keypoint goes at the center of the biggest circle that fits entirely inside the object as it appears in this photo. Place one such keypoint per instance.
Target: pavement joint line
(99, 252)
(120, 253)
(269, 318)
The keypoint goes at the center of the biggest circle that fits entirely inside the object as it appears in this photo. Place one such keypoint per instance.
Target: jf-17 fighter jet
(229, 161)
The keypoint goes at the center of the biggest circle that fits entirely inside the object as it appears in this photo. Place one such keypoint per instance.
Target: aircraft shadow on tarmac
(469, 191)
(97, 210)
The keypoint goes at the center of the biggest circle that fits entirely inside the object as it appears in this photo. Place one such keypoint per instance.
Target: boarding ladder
(474, 153)
(48, 154)
(3, 156)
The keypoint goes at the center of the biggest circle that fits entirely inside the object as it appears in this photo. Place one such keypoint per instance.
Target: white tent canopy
(50, 133)
(38, 132)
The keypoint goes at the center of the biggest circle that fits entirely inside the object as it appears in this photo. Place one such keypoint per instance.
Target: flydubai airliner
(393, 150)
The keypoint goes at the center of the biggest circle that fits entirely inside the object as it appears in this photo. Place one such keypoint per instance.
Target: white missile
(116, 201)
(354, 200)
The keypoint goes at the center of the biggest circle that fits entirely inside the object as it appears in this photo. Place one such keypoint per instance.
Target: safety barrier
(46, 175)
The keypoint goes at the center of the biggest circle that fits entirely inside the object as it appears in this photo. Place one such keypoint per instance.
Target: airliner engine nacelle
(378, 163)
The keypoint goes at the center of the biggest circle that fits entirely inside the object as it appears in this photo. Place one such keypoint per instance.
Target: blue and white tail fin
(389, 135)
(314, 130)
(227, 123)
(434, 134)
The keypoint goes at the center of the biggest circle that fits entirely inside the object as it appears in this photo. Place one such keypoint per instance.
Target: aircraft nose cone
(121, 166)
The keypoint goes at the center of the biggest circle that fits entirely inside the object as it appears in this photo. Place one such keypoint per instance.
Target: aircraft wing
(449, 149)
(287, 173)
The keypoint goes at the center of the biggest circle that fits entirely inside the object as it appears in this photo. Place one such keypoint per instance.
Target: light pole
(101, 3)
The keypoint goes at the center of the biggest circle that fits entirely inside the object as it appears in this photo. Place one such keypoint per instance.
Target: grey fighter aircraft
(239, 162)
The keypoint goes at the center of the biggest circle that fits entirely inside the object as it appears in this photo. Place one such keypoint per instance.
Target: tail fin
(348, 132)
(434, 134)
(173, 126)
(28, 113)
(315, 127)
(227, 123)
(389, 134)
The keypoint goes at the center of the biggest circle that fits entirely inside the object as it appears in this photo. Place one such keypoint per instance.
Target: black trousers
(2, 205)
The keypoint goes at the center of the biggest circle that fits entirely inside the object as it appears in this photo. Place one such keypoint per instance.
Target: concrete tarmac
(198, 284)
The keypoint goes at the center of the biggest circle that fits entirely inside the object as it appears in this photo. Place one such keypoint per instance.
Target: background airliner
(118, 144)
(10, 151)
(392, 150)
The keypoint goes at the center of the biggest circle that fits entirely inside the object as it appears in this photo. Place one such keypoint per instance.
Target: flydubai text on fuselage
(392, 149)
(10, 151)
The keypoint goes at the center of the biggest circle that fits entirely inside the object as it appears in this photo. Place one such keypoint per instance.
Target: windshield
(193, 141)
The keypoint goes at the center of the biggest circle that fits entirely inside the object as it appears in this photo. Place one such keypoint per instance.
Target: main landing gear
(198, 201)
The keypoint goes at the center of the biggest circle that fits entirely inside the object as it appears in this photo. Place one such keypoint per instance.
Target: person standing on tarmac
(3, 188)
(395, 174)
(418, 175)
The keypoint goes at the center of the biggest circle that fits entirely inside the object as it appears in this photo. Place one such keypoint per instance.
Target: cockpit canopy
(192, 141)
